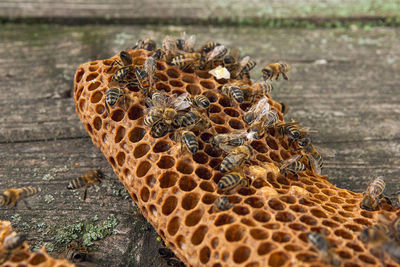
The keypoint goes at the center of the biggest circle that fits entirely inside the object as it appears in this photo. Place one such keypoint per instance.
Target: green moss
(85, 232)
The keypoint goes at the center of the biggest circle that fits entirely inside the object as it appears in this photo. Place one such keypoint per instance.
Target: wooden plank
(50, 165)
(174, 10)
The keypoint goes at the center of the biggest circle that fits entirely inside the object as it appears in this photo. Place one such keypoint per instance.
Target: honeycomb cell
(187, 183)
(343, 233)
(217, 119)
(135, 112)
(261, 216)
(96, 97)
(193, 218)
(121, 158)
(190, 201)
(93, 86)
(143, 168)
(97, 123)
(205, 254)
(214, 109)
(207, 84)
(281, 237)
(173, 226)
(223, 219)
(259, 146)
(79, 75)
(292, 247)
(120, 134)
(37, 259)
(200, 158)
(99, 109)
(308, 220)
(189, 79)
(252, 264)
(198, 235)
(353, 227)
(259, 234)
(207, 186)
(208, 199)
(169, 205)
(212, 151)
(144, 194)
(355, 247)
(81, 104)
(168, 179)
(141, 150)
(221, 129)
(284, 216)
(276, 204)
(318, 213)
(272, 143)
(241, 254)
(117, 115)
(248, 222)
(297, 227)
(235, 233)
(150, 180)
(136, 134)
(160, 76)
(193, 89)
(203, 74)
(265, 248)
(330, 224)
(203, 173)
(236, 124)
(254, 202)
(288, 199)
(173, 73)
(306, 257)
(166, 162)
(176, 83)
(240, 210)
(163, 87)
(161, 146)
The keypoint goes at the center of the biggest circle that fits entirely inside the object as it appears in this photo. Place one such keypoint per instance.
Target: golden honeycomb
(23, 257)
(175, 191)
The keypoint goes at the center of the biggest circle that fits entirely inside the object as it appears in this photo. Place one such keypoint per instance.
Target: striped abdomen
(296, 166)
(153, 116)
(292, 131)
(159, 129)
(376, 187)
(143, 77)
(191, 141)
(249, 66)
(231, 161)
(121, 74)
(112, 96)
(28, 191)
(283, 67)
(229, 181)
(233, 92)
(222, 203)
(186, 119)
(271, 118)
(318, 158)
(263, 88)
(78, 183)
(201, 101)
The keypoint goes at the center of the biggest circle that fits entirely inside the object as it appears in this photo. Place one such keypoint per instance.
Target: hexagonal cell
(277, 259)
(207, 186)
(259, 234)
(185, 166)
(344, 234)
(190, 201)
(240, 210)
(241, 254)
(187, 183)
(141, 150)
(193, 89)
(231, 112)
(198, 235)
(214, 109)
(120, 158)
(254, 202)
(168, 179)
(173, 73)
(144, 194)
(212, 151)
(261, 216)
(281, 237)
(276, 204)
(169, 205)
(308, 220)
(236, 124)
(203, 173)
(200, 157)
(306, 257)
(205, 254)
(235, 233)
(37, 259)
(166, 162)
(193, 217)
(96, 97)
(117, 115)
(173, 226)
(163, 87)
(259, 146)
(136, 134)
(97, 123)
(207, 84)
(265, 248)
(285, 216)
(208, 199)
(223, 219)
(217, 119)
(142, 168)
(135, 112)
(318, 213)
(297, 227)
(176, 83)
(93, 86)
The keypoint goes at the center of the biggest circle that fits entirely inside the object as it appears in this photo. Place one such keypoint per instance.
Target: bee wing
(189, 42)
(289, 161)
(325, 152)
(215, 52)
(227, 148)
(238, 135)
(169, 44)
(187, 59)
(243, 63)
(182, 102)
(235, 53)
(314, 164)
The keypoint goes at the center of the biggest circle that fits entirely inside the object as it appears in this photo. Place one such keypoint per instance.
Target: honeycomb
(23, 257)
(175, 191)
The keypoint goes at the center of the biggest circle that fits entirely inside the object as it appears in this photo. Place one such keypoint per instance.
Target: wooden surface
(352, 100)
(155, 11)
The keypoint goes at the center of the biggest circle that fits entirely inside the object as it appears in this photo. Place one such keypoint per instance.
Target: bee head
(368, 203)
(100, 174)
(126, 58)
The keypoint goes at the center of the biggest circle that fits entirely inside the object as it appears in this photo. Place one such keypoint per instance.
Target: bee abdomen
(202, 101)
(112, 96)
(191, 142)
(229, 162)
(185, 119)
(222, 203)
(228, 180)
(77, 183)
(297, 166)
(237, 94)
(29, 191)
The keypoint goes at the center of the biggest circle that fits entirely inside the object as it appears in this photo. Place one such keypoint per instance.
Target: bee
(186, 60)
(235, 158)
(260, 125)
(233, 91)
(87, 180)
(77, 253)
(191, 118)
(215, 54)
(291, 130)
(12, 196)
(293, 165)
(257, 111)
(189, 139)
(208, 47)
(326, 253)
(169, 256)
(373, 194)
(147, 44)
(228, 140)
(261, 89)
(11, 243)
(314, 158)
(112, 95)
(245, 65)
(186, 43)
(149, 66)
(221, 204)
(200, 101)
(232, 181)
(158, 54)
(231, 61)
(144, 80)
(123, 74)
(272, 71)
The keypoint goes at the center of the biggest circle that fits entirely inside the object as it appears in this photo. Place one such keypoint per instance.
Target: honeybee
(208, 47)
(11, 243)
(149, 67)
(293, 165)
(87, 180)
(221, 204)
(314, 157)
(11, 197)
(231, 181)
(77, 253)
(326, 253)
(231, 61)
(373, 194)
(291, 130)
(200, 101)
(216, 53)
(245, 65)
(273, 70)
(191, 118)
(187, 60)
(261, 89)
(188, 138)
(235, 158)
(229, 139)
(147, 44)
(123, 74)
(112, 95)
(144, 80)
(257, 111)
(171, 49)
(262, 123)
(233, 91)
(158, 54)
(186, 43)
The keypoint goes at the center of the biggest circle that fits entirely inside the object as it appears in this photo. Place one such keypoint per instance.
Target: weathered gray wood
(51, 165)
(352, 101)
(175, 10)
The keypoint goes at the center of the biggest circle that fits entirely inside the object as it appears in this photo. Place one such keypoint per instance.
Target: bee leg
(85, 194)
(107, 108)
(113, 63)
(388, 200)
(285, 76)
